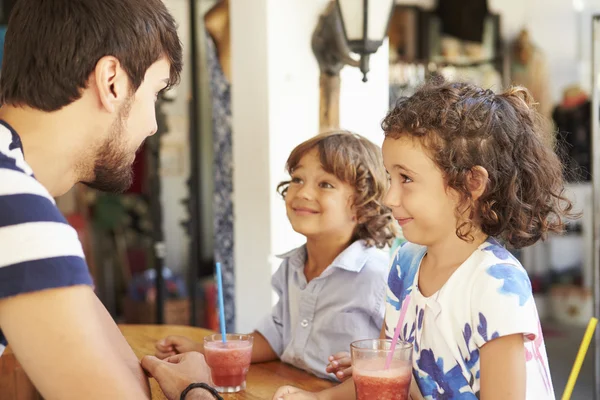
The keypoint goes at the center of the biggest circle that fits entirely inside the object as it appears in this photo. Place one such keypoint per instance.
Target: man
(78, 88)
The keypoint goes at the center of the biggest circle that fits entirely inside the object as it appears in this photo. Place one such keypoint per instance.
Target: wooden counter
(262, 381)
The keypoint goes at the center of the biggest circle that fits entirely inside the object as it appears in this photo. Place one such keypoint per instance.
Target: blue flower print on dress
(473, 356)
(414, 334)
(419, 313)
(397, 243)
(482, 329)
(438, 384)
(498, 250)
(516, 282)
(401, 277)
(408, 336)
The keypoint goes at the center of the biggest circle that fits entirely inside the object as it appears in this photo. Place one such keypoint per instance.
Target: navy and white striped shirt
(38, 248)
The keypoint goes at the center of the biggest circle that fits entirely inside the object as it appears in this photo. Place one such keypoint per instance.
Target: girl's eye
(296, 180)
(405, 179)
(326, 185)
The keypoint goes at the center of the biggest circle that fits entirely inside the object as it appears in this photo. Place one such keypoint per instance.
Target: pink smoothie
(229, 362)
(372, 381)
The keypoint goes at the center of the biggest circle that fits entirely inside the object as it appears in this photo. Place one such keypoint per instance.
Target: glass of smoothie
(228, 361)
(371, 379)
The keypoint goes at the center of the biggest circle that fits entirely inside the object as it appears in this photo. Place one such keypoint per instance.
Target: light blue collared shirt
(345, 303)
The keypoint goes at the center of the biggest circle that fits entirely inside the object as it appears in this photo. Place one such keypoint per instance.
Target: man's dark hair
(52, 47)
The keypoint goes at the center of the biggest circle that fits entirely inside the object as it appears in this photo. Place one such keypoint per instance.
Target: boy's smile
(317, 202)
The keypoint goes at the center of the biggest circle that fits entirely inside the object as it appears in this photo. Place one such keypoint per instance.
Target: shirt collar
(15, 142)
(352, 259)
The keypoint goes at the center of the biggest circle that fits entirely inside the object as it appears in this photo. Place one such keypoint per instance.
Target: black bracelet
(202, 386)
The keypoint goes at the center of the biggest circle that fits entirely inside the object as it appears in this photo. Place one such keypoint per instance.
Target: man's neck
(50, 146)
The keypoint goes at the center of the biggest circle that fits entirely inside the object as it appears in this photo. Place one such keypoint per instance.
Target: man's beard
(113, 166)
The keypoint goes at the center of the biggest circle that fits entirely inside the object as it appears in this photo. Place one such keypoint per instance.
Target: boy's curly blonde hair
(358, 162)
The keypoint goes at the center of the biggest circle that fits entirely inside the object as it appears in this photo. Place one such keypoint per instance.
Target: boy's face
(318, 203)
(418, 196)
(134, 122)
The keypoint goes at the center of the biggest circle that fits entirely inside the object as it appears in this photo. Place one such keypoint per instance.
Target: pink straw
(390, 356)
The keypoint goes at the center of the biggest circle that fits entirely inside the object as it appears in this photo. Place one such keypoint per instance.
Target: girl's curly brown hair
(463, 126)
(358, 162)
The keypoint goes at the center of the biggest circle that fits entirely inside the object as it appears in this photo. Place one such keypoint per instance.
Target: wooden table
(262, 381)
(14, 383)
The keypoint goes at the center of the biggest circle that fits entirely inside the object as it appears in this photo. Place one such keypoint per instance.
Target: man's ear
(112, 83)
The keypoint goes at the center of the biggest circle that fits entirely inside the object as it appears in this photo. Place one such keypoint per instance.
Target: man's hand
(293, 393)
(175, 373)
(172, 345)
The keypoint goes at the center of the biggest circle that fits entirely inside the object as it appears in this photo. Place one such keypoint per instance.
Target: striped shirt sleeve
(38, 248)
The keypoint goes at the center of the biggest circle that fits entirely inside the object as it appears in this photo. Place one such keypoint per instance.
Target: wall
(175, 154)
(275, 107)
(175, 147)
(363, 106)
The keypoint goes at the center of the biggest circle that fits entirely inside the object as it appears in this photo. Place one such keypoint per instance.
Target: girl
(330, 289)
(468, 169)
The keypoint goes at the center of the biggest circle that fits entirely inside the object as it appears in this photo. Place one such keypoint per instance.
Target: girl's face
(420, 200)
(318, 203)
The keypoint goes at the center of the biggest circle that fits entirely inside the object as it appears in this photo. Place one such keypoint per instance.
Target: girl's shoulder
(491, 253)
(407, 252)
(499, 272)
(406, 259)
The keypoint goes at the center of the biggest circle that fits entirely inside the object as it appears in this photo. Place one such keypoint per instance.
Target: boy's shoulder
(376, 256)
(376, 262)
(363, 259)
(358, 257)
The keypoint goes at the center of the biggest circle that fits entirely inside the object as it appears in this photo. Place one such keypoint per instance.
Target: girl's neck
(320, 253)
(453, 251)
(443, 259)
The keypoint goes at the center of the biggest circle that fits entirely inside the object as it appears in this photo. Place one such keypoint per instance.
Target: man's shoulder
(38, 248)
(23, 199)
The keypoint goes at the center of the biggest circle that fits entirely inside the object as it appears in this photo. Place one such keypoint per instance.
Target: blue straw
(221, 307)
